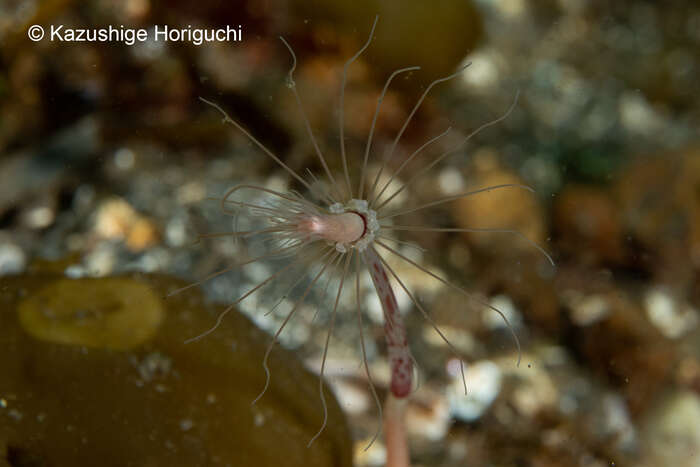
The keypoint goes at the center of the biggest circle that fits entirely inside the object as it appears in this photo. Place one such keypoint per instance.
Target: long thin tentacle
(322, 192)
(239, 233)
(405, 163)
(460, 290)
(292, 85)
(223, 314)
(455, 148)
(364, 355)
(417, 228)
(341, 116)
(325, 288)
(390, 153)
(402, 242)
(267, 210)
(286, 320)
(325, 348)
(224, 203)
(255, 141)
(428, 319)
(447, 199)
(286, 293)
(380, 99)
(230, 268)
(292, 198)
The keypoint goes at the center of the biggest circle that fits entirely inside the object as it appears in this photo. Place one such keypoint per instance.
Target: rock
(585, 309)
(116, 219)
(535, 392)
(661, 211)
(672, 431)
(588, 223)
(671, 316)
(13, 259)
(530, 289)
(484, 385)
(79, 390)
(630, 351)
(503, 208)
(428, 416)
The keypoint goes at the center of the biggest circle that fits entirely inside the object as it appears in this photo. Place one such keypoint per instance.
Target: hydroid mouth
(359, 207)
(341, 229)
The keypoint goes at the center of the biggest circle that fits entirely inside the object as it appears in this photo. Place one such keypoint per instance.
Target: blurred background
(107, 158)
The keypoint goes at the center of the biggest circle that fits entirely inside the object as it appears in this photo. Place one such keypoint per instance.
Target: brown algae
(67, 399)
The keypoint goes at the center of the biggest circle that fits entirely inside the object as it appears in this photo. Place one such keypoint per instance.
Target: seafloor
(110, 167)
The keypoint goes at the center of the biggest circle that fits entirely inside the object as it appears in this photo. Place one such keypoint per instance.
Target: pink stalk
(397, 454)
(394, 330)
(400, 362)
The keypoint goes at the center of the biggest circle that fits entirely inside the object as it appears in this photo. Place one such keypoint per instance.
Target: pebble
(502, 208)
(374, 456)
(670, 317)
(118, 220)
(459, 338)
(102, 260)
(483, 379)
(13, 260)
(428, 415)
(353, 398)
(535, 390)
(672, 431)
(505, 305)
(617, 422)
(124, 159)
(637, 115)
(153, 365)
(39, 217)
(586, 309)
